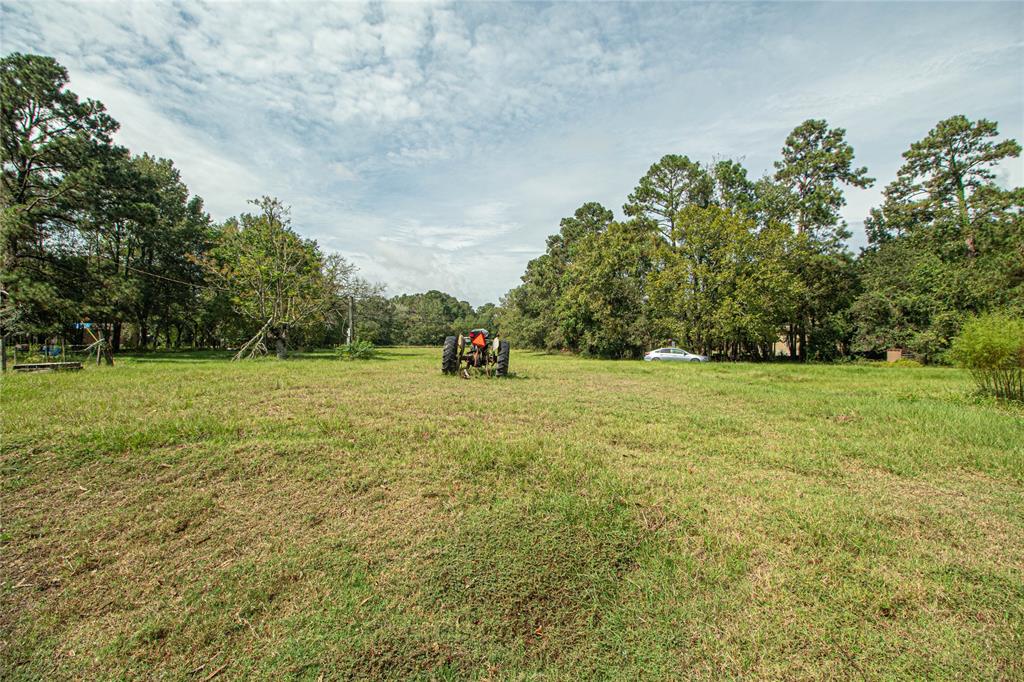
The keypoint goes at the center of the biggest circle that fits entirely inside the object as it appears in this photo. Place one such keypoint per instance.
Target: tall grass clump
(357, 350)
(991, 347)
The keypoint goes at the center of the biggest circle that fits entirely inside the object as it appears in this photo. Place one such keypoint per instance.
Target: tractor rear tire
(501, 367)
(450, 355)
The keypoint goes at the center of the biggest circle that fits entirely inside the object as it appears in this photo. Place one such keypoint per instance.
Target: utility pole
(4, 299)
(349, 335)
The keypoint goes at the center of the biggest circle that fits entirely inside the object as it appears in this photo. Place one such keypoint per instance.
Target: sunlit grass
(182, 516)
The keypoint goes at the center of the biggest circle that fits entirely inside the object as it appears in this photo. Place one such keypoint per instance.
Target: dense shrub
(991, 347)
(357, 350)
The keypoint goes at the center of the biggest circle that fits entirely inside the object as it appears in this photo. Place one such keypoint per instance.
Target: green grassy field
(183, 517)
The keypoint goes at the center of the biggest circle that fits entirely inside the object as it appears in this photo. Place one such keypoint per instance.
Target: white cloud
(342, 172)
(226, 182)
(430, 142)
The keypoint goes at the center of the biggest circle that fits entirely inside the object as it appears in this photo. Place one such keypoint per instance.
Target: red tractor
(479, 350)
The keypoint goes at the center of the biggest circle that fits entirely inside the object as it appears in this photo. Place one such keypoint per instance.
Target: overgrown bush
(991, 347)
(357, 350)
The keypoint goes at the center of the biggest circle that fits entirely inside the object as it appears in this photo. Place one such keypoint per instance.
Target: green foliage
(357, 350)
(668, 186)
(279, 282)
(485, 317)
(904, 362)
(531, 315)
(816, 161)
(991, 347)
(375, 321)
(707, 256)
(53, 146)
(945, 244)
(726, 287)
(602, 310)
(416, 319)
(425, 319)
(747, 262)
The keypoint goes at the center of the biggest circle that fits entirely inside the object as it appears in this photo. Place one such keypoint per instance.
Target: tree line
(703, 255)
(93, 234)
(735, 267)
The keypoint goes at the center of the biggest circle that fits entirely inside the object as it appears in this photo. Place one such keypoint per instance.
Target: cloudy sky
(436, 145)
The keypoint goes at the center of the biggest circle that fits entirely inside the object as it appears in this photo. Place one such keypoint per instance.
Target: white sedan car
(674, 354)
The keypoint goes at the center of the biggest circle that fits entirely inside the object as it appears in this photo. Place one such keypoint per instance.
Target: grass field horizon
(180, 516)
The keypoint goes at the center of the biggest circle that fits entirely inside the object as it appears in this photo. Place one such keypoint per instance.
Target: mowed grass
(185, 517)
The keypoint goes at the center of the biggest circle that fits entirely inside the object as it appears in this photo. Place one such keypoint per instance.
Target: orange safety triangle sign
(479, 340)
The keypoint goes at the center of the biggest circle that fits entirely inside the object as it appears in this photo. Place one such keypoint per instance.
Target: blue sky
(437, 145)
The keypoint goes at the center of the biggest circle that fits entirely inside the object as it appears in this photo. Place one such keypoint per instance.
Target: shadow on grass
(176, 356)
(379, 355)
(477, 374)
(398, 352)
(197, 356)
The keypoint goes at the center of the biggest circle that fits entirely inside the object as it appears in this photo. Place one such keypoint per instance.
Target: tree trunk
(965, 216)
(115, 337)
(104, 347)
(279, 347)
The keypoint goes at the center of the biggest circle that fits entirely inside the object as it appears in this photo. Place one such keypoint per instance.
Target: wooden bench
(47, 367)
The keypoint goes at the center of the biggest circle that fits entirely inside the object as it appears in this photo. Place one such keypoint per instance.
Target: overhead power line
(159, 276)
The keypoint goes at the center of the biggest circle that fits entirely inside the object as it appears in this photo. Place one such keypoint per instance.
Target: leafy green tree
(276, 280)
(769, 289)
(376, 321)
(427, 318)
(603, 309)
(726, 289)
(732, 188)
(531, 309)
(816, 162)
(530, 314)
(830, 285)
(486, 317)
(50, 142)
(950, 172)
(143, 236)
(911, 299)
(669, 185)
(991, 348)
(946, 242)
